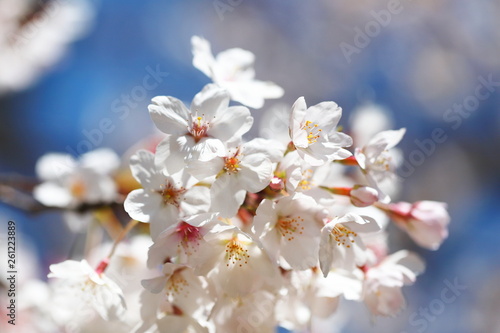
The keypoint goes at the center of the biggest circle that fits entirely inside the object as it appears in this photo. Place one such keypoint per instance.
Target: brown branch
(19, 182)
(27, 203)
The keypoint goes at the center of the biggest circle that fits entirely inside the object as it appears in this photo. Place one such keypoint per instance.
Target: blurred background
(432, 66)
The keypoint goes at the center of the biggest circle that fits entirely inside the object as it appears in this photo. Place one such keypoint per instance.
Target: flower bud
(276, 184)
(363, 196)
(426, 222)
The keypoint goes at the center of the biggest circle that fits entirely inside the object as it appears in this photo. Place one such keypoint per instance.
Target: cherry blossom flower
(182, 241)
(252, 313)
(249, 234)
(69, 183)
(314, 132)
(236, 263)
(379, 161)
(341, 246)
(426, 222)
(308, 295)
(248, 167)
(294, 173)
(289, 228)
(93, 287)
(368, 120)
(383, 282)
(178, 299)
(233, 70)
(163, 197)
(181, 287)
(201, 132)
(35, 36)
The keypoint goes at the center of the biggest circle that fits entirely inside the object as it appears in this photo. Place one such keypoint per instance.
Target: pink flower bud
(363, 196)
(426, 222)
(276, 184)
(102, 266)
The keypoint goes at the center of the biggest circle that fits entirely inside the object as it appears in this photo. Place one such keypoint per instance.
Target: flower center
(236, 252)
(171, 195)
(343, 235)
(313, 131)
(231, 164)
(288, 226)
(190, 237)
(176, 284)
(383, 161)
(199, 128)
(78, 189)
(305, 182)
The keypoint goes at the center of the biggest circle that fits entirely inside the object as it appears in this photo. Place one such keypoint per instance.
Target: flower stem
(338, 190)
(131, 224)
(351, 160)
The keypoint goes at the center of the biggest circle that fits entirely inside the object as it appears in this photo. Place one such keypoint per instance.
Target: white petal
(326, 114)
(265, 215)
(326, 250)
(162, 219)
(272, 149)
(108, 301)
(256, 171)
(409, 260)
(231, 124)
(155, 285)
(341, 282)
(196, 200)
(359, 223)
(170, 115)
(142, 165)
(252, 93)
(204, 169)
(209, 102)
(312, 157)
(202, 55)
(234, 65)
(199, 220)
(103, 161)
(227, 195)
(68, 269)
(360, 158)
(298, 136)
(384, 140)
(301, 252)
(54, 165)
(206, 149)
(171, 152)
(53, 195)
(141, 205)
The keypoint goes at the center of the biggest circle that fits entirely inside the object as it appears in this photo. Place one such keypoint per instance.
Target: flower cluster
(250, 228)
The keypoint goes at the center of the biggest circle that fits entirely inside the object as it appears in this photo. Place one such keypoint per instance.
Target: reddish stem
(351, 160)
